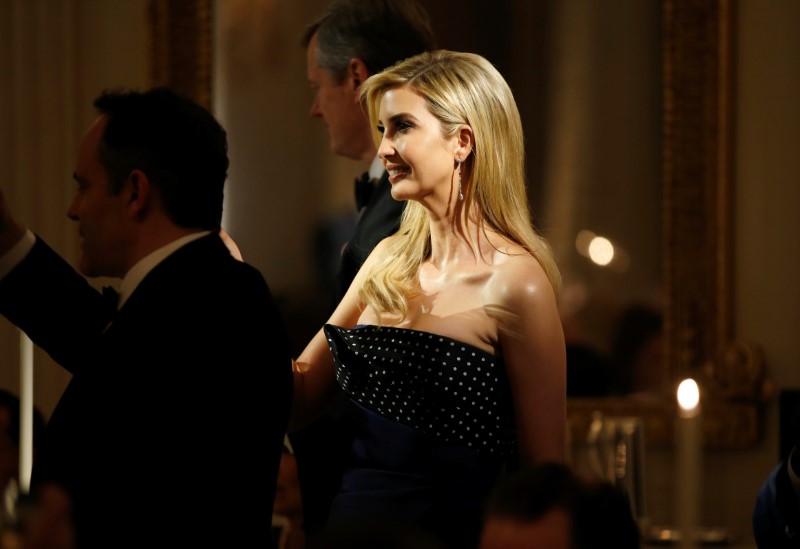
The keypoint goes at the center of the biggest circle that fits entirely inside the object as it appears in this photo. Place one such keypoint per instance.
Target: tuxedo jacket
(170, 431)
(379, 219)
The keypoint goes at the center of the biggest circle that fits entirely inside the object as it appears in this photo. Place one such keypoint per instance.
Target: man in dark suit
(350, 41)
(776, 513)
(170, 431)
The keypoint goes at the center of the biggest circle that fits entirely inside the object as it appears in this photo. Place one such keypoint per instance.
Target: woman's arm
(315, 383)
(532, 342)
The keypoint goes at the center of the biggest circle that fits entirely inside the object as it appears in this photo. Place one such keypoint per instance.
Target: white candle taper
(25, 412)
(689, 448)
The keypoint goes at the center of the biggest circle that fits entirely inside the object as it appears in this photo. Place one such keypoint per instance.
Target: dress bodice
(448, 390)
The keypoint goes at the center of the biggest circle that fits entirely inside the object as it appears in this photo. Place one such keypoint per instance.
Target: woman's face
(420, 160)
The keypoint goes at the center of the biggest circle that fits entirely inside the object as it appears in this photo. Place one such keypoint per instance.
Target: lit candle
(25, 412)
(689, 446)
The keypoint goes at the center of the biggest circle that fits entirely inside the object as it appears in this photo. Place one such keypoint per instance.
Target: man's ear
(137, 189)
(357, 72)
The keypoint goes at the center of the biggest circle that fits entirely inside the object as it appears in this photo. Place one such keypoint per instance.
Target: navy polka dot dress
(435, 427)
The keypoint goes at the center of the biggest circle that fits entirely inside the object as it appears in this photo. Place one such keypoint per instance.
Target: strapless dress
(434, 425)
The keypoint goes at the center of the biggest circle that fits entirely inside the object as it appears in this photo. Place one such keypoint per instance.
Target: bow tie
(365, 188)
(110, 298)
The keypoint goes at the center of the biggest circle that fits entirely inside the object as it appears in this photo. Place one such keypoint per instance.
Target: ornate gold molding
(699, 69)
(697, 181)
(182, 47)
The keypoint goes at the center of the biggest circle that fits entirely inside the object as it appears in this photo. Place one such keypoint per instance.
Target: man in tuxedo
(171, 428)
(347, 43)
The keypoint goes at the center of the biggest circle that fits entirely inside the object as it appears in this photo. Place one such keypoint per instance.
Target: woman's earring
(460, 194)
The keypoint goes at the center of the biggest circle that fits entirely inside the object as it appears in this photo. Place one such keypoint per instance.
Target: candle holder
(688, 478)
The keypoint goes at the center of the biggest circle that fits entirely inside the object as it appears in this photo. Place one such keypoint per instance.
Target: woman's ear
(466, 141)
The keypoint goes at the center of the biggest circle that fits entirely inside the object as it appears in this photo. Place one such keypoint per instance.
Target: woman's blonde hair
(459, 88)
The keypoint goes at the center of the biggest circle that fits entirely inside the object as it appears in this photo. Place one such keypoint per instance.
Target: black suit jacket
(380, 218)
(776, 513)
(170, 431)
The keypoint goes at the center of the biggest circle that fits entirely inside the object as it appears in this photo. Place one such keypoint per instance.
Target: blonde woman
(448, 342)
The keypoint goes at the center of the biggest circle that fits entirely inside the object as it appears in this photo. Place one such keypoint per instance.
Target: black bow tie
(365, 188)
(110, 298)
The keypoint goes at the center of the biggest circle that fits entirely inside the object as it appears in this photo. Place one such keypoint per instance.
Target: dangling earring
(460, 194)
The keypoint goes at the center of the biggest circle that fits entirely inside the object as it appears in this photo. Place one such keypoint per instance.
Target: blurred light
(688, 395)
(601, 250)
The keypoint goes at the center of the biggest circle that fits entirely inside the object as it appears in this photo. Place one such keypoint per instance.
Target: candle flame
(688, 395)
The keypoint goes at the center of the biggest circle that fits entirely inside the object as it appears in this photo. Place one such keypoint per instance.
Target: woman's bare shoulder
(518, 278)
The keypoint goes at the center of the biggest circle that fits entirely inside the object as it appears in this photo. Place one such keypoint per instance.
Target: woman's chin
(400, 192)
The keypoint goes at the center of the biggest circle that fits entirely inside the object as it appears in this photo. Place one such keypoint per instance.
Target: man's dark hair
(178, 144)
(379, 32)
(599, 513)
(10, 402)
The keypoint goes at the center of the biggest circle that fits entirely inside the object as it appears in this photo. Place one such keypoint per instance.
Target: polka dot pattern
(449, 390)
